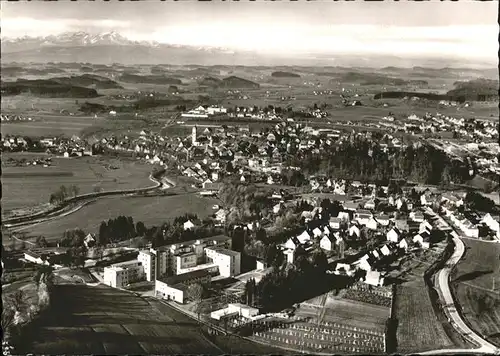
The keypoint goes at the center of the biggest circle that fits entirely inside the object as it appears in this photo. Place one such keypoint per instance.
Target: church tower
(193, 136)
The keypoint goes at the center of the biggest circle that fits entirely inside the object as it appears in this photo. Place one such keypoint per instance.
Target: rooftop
(224, 251)
(181, 278)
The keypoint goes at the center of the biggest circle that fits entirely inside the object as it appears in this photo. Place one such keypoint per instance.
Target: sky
(466, 28)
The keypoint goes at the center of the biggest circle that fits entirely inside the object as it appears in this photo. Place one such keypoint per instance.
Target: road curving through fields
(74, 204)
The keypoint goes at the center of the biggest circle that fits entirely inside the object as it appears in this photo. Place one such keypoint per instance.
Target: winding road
(448, 304)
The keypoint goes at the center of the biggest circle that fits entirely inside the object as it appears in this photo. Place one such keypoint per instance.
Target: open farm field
(473, 284)
(418, 328)
(30, 104)
(47, 125)
(102, 320)
(87, 173)
(150, 210)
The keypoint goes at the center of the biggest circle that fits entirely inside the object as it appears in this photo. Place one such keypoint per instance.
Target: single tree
(195, 293)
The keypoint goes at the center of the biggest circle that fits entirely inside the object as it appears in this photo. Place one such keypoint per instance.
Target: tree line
(63, 193)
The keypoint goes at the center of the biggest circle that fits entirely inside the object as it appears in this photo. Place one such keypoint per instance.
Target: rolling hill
(238, 83)
(280, 74)
(149, 79)
(89, 80)
(47, 88)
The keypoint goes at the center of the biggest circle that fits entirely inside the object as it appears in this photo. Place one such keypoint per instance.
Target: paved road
(449, 307)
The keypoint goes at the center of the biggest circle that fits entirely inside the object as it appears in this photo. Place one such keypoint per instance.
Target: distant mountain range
(111, 47)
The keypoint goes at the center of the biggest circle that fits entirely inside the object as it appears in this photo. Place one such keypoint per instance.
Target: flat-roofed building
(176, 287)
(166, 256)
(148, 260)
(185, 260)
(121, 274)
(229, 261)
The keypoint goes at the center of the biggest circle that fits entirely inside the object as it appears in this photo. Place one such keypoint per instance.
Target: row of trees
(119, 229)
(63, 193)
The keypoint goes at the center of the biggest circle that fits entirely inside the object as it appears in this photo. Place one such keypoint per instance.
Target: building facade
(228, 261)
(121, 274)
(148, 261)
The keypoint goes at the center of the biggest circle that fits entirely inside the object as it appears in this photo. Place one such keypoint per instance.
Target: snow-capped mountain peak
(79, 38)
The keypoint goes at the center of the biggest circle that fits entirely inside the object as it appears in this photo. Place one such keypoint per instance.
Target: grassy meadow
(87, 173)
(473, 284)
(150, 210)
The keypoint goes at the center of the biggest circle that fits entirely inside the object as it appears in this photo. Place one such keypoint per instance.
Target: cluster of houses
(45, 162)
(469, 224)
(14, 143)
(394, 237)
(13, 117)
(66, 147)
(466, 128)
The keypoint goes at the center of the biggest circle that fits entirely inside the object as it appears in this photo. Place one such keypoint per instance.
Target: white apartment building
(121, 274)
(185, 260)
(166, 256)
(228, 261)
(148, 261)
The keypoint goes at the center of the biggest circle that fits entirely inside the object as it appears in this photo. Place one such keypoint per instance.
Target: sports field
(150, 210)
(473, 280)
(32, 185)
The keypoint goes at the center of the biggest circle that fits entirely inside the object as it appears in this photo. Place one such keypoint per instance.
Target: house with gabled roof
(371, 224)
(335, 223)
(304, 237)
(343, 215)
(393, 235)
(422, 239)
(370, 204)
(350, 206)
(327, 243)
(425, 225)
(291, 244)
(383, 219)
(403, 244)
(317, 232)
(354, 231)
(365, 263)
(417, 216)
(385, 250)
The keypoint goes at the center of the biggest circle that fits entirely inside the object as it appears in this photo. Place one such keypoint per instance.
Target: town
(310, 185)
